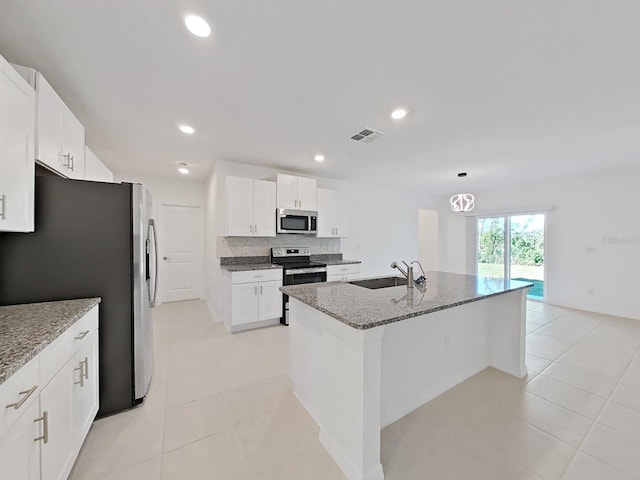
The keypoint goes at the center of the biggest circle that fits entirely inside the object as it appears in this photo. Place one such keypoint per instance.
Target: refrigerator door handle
(152, 231)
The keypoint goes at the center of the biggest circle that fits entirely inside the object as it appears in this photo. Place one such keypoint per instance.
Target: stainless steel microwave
(296, 221)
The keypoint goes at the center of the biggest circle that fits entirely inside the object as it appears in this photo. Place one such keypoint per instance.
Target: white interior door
(180, 235)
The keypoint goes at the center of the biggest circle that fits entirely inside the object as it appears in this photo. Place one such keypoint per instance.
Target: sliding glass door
(512, 247)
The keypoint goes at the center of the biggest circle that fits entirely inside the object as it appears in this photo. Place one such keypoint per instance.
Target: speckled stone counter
(362, 308)
(250, 266)
(341, 262)
(25, 330)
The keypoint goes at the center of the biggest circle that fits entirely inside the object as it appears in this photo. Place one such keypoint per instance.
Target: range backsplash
(259, 246)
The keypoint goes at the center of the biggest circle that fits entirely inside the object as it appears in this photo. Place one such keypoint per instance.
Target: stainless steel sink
(383, 282)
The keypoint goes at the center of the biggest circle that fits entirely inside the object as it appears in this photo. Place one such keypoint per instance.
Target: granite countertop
(25, 330)
(362, 308)
(341, 262)
(245, 267)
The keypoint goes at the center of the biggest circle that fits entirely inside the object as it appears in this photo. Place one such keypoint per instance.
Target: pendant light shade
(462, 202)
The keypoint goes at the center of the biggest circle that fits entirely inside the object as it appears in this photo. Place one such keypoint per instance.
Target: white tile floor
(221, 407)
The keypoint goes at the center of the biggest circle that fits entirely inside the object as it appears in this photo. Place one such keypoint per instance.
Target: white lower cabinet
(48, 411)
(255, 299)
(19, 454)
(343, 273)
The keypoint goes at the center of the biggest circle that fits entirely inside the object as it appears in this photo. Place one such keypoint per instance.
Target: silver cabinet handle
(27, 394)
(85, 362)
(258, 276)
(81, 368)
(45, 427)
(336, 231)
(255, 290)
(255, 228)
(82, 335)
(3, 209)
(260, 289)
(68, 163)
(250, 228)
(73, 162)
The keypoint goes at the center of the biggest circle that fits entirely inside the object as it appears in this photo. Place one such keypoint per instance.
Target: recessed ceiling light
(183, 169)
(186, 129)
(319, 158)
(197, 25)
(399, 113)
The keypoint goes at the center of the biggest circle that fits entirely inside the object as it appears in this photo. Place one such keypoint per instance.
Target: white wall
(592, 239)
(428, 239)
(172, 192)
(384, 224)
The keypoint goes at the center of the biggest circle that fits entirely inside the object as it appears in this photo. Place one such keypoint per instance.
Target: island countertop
(25, 330)
(363, 308)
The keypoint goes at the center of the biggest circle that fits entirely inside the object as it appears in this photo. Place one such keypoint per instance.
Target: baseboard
(350, 471)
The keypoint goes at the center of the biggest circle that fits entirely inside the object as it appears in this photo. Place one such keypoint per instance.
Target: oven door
(299, 277)
(296, 221)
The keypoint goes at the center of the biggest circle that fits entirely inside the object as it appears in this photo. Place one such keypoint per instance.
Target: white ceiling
(508, 91)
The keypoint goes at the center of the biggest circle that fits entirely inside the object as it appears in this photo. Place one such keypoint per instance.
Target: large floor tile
(194, 384)
(270, 440)
(535, 363)
(621, 418)
(614, 448)
(632, 375)
(557, 421)
(584, 467)
(260, 397)
(195, 420)
(628, 396)
(316, 464)
(217, 456)
(572, 398)
(147, 470)
(582, 379)
(545, 346)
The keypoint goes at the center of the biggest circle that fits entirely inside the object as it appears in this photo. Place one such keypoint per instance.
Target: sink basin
(384, 282)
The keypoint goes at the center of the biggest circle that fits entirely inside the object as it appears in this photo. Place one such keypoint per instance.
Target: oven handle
(305, 270)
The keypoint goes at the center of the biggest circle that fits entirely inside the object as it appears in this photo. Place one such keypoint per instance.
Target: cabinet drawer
(23, 386)
(350, 268)
(253, 276)
(63, 348)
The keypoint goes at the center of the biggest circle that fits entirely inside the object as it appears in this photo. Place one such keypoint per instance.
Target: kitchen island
(362, 358)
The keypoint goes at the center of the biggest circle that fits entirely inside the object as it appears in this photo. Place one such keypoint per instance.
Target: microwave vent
(367, 135)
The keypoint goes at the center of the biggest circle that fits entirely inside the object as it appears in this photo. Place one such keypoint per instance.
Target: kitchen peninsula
(362, 358)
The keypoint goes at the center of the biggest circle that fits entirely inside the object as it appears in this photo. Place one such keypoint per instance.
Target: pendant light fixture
(462, 202)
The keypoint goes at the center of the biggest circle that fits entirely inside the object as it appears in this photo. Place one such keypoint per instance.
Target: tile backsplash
(258, 246)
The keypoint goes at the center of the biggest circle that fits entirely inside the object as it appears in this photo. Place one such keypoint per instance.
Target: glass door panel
(491, 247)
(526, 257)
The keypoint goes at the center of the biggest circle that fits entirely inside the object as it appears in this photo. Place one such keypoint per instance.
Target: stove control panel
(290, 251)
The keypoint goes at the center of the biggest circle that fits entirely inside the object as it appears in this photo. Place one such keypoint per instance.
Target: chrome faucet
(407, 273)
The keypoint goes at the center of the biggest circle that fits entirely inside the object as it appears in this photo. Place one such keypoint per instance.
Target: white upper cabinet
(297, 193)
(94, 169)
(17, 123)
(333, 214)
(59, 134)
(250, 207)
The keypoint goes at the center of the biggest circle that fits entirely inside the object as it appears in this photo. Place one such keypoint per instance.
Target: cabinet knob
(165, 258)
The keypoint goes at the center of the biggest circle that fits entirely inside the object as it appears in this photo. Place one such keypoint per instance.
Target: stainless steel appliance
(298, 269)
(93, 239)
(296, 221)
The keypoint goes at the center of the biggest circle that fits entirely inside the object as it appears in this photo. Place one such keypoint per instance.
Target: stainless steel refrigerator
(93, 239)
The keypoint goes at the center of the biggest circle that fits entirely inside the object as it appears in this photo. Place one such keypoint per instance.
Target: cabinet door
(48, 125)
(239, 207)
(264, 208)
(287, 193)
(244, 303)
(85, 393)
(342, 215)
(307, 194)
(72, 145)
(17, 124)
(326, 224)
(19, 453)
(270, 303)
(56, 400)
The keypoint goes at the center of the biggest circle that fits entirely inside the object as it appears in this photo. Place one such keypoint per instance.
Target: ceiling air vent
(367, 135)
